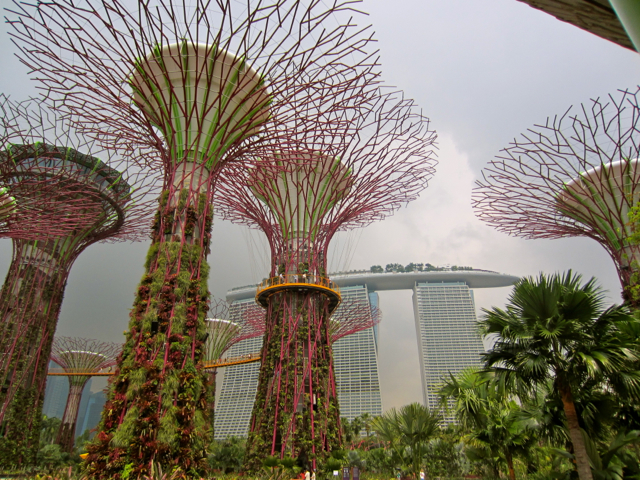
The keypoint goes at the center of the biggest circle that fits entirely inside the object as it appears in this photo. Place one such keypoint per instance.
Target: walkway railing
(223, 362)
(298, 279)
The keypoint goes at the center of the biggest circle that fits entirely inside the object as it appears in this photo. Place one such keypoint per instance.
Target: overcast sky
(483, 72)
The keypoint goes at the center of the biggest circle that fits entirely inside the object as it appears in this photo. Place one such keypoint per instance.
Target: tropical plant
(483, 407)
(49, 429)
(366, 420)
(556, 329)
(275, 468)
(227, 455)
(408, 432)
(614, 462)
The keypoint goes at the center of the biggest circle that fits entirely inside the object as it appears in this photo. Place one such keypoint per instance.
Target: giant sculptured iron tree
(79, 359)
(74, 199)
(577, 174)
(189, 87)
(300, 194)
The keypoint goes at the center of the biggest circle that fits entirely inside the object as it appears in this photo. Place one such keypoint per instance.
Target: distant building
(82, 408)
(446, 329)
(55, 399)
(355, 359)
(55, 395)
(93, 411)
(238, 392)
(445, 318)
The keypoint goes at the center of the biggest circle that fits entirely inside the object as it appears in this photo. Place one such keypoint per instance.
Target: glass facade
(355, 359)
(446, 328)
(239, 384)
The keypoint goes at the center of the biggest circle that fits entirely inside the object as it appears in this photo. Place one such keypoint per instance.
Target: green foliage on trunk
(283, 424)
(156, 411)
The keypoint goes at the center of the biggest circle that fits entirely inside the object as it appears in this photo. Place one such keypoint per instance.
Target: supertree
(77, 356)
(575, 175)
(84, 200)
(189, 88)
(300, 194)
(37, 212)
(352, 316)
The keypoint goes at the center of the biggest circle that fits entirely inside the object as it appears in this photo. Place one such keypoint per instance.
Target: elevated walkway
(223, 362)
(299, 283)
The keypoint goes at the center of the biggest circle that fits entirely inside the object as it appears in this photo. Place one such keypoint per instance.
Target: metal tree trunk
(157, 407)
(30, 305)
(296, 412)
(66, 433)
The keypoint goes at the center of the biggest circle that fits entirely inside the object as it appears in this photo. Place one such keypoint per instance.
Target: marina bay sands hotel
(445, 319)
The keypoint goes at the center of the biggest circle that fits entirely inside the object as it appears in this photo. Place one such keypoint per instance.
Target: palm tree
(408, 432)
(556, 328)
(366, 422)
(490, 416)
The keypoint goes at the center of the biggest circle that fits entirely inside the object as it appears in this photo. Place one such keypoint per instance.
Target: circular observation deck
(299, 283)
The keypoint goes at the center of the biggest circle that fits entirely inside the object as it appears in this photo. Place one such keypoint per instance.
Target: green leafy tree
(394, 267)
(379, 460)
(376, 269)
(614, 461)
(557, 329)
(227, 455)
(49, 429)
(408, 432)
(483, 407)
(366, 419)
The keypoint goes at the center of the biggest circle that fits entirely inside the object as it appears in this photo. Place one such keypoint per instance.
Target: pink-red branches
(63, 184)
(79, 355)
(92, 56)
(520, 193)
(352, 317)
(223, 333)
(575, 175)
(301, 193)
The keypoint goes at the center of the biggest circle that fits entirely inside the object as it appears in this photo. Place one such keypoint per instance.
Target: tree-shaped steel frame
(300, 194)
(575, 175)
(77, 355)
(223, 333)
(353, 316)
(83, 200)
(39, 210)
(210, 83)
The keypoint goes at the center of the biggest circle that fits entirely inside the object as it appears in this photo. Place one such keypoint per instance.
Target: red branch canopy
(93, 56)
(77, 355)
(559, 178)
(321, 184)
(64, 184)
(351, 317)
(223, 333)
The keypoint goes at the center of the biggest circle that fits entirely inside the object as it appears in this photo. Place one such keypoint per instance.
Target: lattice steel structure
(240, 382)
(77, 355)
(300, 195)
(189, 87)
(575, 175)
(353, 317)
(38, 211)
(83, 199)
(223, 333)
